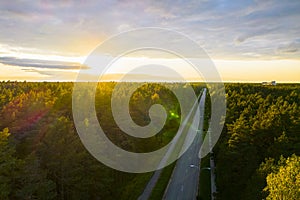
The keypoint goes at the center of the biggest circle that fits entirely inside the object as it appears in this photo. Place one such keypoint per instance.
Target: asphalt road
(184, 181)
(152, 182)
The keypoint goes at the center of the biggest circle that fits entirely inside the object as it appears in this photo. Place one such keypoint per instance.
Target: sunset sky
(248, 41)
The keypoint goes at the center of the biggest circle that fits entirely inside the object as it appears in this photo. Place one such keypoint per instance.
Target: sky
(248, 40)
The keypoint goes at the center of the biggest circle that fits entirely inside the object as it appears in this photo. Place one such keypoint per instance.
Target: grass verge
(136, 186)
(159, 189)
(204, 181)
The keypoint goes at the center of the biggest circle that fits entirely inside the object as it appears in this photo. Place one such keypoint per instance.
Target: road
(185, 177)
(151, 184)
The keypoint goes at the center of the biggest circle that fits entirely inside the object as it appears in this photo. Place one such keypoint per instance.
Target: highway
(184, 181)
(151, 184)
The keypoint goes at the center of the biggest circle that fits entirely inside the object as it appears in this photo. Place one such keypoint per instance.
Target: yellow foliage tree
(285, 183)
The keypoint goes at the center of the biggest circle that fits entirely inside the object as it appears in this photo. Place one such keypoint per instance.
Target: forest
(42, 157)
(257, 156)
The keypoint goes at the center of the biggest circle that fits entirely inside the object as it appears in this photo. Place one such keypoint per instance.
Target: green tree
(75, 173)
(285, 183)
(33, 181)
(9, 165)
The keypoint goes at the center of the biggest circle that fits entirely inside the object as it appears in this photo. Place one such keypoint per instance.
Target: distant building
(269, 83)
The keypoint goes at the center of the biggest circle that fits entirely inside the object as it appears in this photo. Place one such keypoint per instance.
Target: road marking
(181, 188)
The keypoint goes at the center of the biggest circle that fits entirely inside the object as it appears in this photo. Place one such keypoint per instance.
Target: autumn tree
(285, 182)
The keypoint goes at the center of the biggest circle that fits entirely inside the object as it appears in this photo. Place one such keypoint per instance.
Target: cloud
(290, 48)
(234, 29)
(224, 28)
(255, 33)
(46, 64)
(160, 11)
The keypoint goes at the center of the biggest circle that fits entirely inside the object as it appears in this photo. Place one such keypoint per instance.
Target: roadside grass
(161, 185)
(159, 189)
(136, 186)
(204, 181)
